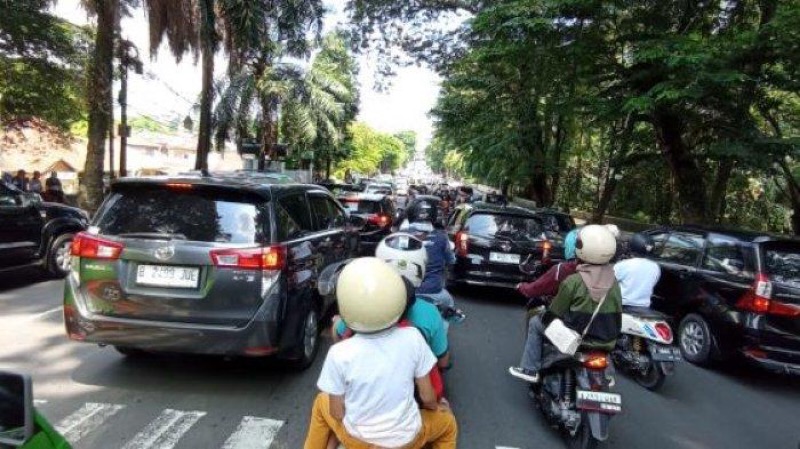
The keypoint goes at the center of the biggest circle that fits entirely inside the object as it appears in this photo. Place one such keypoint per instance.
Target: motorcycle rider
(638, 275)
(547, 284)
(367, 381)
(406, 254)
(577, 298)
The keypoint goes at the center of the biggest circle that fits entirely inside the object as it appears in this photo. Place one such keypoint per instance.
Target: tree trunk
(328, 168)
(207, 93)
(605, 200)
(99, 99)
(686, 174)
(720, 189)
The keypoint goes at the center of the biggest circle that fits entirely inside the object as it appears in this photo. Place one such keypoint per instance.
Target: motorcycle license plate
(665, 354)
(599, 401)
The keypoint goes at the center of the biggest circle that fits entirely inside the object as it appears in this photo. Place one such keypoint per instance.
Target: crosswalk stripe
(86, 419)
(253, 433)
(504, 447)
(165, 431)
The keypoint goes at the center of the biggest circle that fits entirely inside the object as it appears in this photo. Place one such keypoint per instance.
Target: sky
(168, 90)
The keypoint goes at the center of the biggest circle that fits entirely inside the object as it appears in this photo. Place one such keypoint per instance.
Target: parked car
(732, 293)
(499, 246)
(36, 233)
(208, 265)
(378, 213)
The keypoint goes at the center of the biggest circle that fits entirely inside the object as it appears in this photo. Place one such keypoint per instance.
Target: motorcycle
(645, 347)
(575, 395)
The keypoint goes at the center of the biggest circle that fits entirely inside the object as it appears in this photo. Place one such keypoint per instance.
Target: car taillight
(380, 220)
(547, 247)
(595, 361)
(91, 247)
(462, 243)
(757, 298)
(270, 258)
(664, 332)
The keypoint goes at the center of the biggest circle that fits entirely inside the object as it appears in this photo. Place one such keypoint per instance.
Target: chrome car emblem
(164, 252)
(505, 246)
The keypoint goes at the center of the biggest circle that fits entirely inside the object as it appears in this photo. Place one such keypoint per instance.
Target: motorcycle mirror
(16, 409)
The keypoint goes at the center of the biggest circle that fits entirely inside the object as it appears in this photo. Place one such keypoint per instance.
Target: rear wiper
(154, 236)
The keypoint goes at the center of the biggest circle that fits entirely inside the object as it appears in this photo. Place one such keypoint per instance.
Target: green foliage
(370, 151)
(141, 123)
(42, 63)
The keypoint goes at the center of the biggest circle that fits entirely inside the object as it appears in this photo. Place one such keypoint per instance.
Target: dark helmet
(641, 244)
(422, 211)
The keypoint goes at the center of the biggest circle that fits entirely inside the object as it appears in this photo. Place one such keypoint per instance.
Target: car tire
(58, 255)
(695, 339)
(309, 342)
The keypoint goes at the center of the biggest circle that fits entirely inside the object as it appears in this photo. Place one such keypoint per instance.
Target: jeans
(532, 355)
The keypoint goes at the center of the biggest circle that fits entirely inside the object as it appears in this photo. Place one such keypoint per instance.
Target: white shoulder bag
(566, 339)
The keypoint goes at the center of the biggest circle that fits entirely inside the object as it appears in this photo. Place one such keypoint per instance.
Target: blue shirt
(426, 318)
(439, 256)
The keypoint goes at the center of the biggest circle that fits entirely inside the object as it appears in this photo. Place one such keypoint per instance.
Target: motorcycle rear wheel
(583, 438)
(653, 379)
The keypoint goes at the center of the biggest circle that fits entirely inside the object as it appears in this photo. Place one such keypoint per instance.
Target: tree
(42, 63)
(409, 139)
(189, 26)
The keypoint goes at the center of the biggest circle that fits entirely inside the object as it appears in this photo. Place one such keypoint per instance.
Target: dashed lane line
(253, 433)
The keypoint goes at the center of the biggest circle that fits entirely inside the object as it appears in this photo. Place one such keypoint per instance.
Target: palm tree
(189, 26)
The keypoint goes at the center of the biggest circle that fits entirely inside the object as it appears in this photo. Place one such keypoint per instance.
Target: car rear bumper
(773, 359)
(467, 273)
(258, 337)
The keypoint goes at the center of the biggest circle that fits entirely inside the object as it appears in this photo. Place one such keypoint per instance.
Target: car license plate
(504, 258)
(599, 401)
(167, 276)
(665, 354)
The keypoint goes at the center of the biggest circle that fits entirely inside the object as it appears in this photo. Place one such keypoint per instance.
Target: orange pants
(439, 429)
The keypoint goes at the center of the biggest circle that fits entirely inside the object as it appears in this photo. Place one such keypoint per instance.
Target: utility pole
(128, 56)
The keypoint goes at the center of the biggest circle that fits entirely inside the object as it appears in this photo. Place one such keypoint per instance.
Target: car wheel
(695, 337)
(59, 259)
(309, 343)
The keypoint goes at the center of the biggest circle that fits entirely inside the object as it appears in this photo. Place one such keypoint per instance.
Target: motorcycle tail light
(596, 361)
(664, 332)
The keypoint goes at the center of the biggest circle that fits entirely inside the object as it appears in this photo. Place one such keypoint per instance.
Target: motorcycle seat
(553, 358)
(644, 312)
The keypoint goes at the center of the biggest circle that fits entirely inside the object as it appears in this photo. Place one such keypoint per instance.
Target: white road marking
(165, 431)
(504, 447)
(45, 313)
(253, 433)
(39, 402)
(86, 419)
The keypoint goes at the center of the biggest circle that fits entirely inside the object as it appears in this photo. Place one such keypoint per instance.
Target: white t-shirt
(375, 373)
(637, 277)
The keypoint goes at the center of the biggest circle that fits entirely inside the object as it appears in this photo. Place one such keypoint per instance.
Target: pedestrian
(367, 381)
(53, 190)
(20, 181)
(35, 185)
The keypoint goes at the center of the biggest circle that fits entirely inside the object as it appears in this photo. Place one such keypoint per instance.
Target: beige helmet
(595, 245)
(614, 229)
(371, 295)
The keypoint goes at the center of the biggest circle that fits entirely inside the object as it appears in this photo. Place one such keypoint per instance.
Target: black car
(556, 222)
(499, 246)
(732, 293)
(378, 213)
(36, 233)
(208, 265)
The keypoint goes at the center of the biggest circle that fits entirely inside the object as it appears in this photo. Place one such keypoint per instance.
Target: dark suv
(378, 213)
(732, 293)
(36, 233)
(206, 264)
(500, 246)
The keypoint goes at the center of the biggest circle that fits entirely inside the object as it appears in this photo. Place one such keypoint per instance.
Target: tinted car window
(206, 216)
(682, 248)
(362, 206)
(7, 197)
(728, 258)
(514, 227)
(288, 229)
(783, 265)
(297, 208)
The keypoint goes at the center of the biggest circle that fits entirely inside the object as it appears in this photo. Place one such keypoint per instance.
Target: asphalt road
(105, 401)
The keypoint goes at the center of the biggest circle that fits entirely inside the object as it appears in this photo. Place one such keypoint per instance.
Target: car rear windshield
(195, 214)
(783, 264)
(511, 227)
(362, 206)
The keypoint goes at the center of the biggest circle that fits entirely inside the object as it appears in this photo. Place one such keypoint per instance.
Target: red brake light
(270, 258)
(757, 298)
(664, 331)
(92, 247)
(596, 361)
(380, 220)
(179, 186)
(462, 243)
(547, 246)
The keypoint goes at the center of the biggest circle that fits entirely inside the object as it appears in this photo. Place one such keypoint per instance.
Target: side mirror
(16, 409)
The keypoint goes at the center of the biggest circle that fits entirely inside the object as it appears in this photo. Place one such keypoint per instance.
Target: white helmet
(406, 254)
(595, 245)
(371, 295)
(613, 229)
